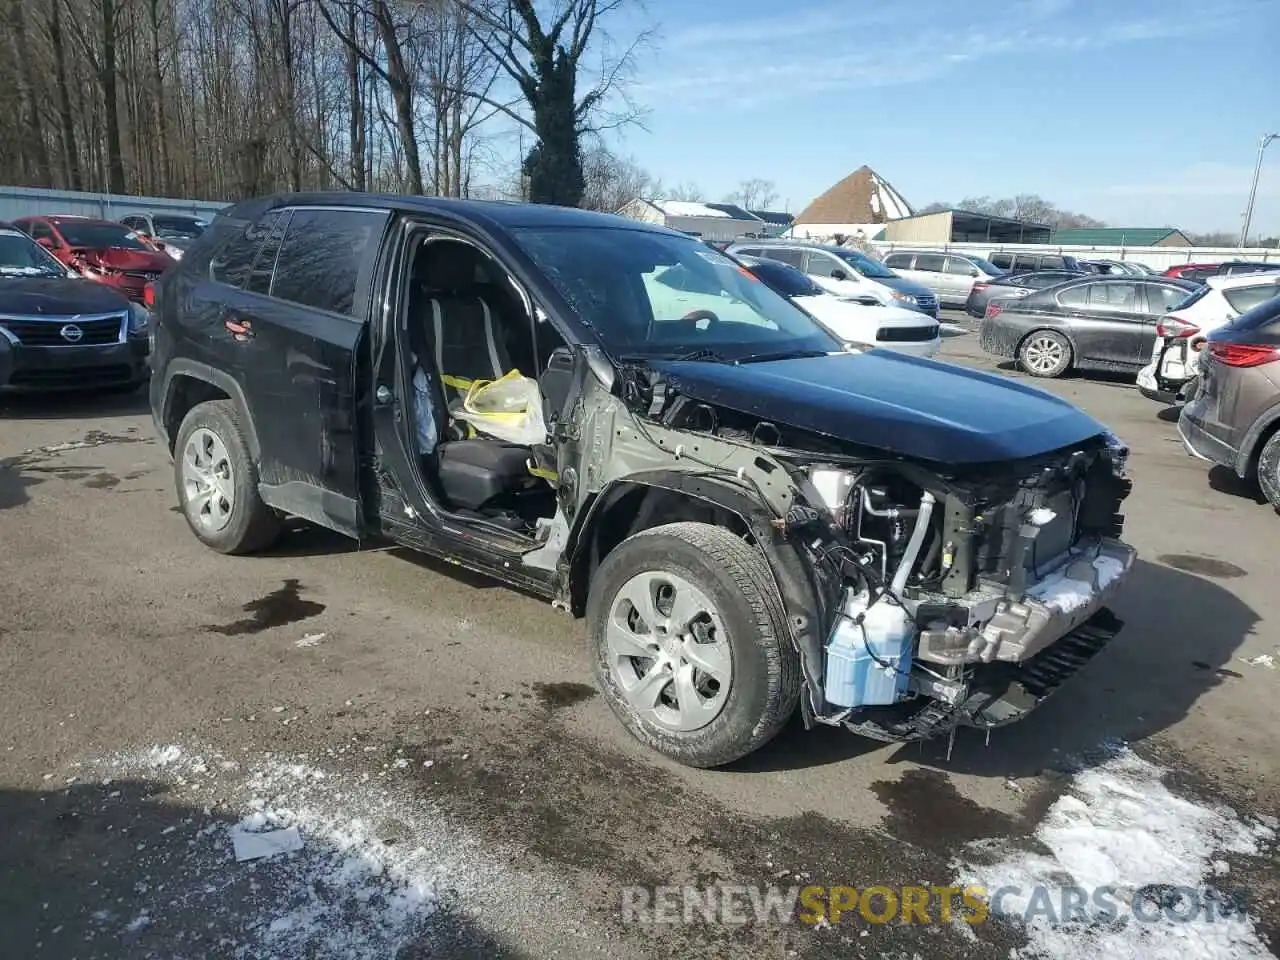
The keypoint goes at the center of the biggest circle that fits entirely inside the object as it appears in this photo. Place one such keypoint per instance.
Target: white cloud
(1205, 179)
(741, 63)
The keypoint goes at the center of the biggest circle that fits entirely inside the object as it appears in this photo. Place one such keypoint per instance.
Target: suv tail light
(149, 296)
(979, 287)
(1243, 354)
(1173, 327)
(993, 310)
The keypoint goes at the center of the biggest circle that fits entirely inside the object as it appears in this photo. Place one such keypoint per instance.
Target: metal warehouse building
(963, 226)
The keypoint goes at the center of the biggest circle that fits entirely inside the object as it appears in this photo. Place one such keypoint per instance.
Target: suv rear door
(294, 303)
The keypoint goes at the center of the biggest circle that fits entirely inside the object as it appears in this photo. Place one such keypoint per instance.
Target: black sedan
(1014, 285)
(59, 330)
(1094, 322)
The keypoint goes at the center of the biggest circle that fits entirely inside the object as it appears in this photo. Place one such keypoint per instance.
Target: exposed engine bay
(954, 595)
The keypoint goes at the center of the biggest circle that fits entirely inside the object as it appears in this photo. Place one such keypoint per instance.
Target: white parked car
(1172, 376)
(855, 320)
(844, 272)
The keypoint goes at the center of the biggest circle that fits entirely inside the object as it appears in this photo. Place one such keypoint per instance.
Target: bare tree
(543, 53)
(754, 194)
(610, 181)
(685, 191)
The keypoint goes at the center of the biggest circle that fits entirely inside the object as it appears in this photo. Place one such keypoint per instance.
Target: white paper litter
(1261, 660)
(1041, 515)
(310, 640)
(254, 846)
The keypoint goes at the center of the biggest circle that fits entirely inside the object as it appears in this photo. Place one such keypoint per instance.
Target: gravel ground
(459, 789)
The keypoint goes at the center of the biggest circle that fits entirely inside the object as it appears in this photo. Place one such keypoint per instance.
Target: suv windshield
(99, 236)
(872, 269)
(23, 257)
(177, 228)
(654, 295)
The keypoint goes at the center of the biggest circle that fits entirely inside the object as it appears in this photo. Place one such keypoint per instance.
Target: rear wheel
(1269, 470)
(217, 481)
(688, 643)
(1045, 353)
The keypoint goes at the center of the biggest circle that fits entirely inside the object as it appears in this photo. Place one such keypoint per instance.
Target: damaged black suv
(748, 513)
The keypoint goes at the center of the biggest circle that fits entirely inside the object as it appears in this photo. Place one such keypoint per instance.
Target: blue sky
(1139, 112)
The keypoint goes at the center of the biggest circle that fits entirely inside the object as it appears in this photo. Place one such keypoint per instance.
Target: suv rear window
(232, 263)
(1263, 315)
(901, 261)
(792, 257)
(1244, 299)
(320, 259)
(1002, 260)
(1052, 263)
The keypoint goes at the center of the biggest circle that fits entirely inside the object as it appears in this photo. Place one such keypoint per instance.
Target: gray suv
(846, 273)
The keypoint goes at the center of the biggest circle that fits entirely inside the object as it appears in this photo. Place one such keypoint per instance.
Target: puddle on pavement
(103, 481)
(1202, 566)
(562, 694)
(926, 809)
(277, 608)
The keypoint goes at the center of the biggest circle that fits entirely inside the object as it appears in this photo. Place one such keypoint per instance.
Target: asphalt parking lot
(434, 736)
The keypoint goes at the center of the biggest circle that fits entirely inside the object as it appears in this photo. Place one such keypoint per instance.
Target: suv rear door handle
(383, 395)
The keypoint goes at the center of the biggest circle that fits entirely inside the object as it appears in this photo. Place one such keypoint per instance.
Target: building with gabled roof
(708, 221)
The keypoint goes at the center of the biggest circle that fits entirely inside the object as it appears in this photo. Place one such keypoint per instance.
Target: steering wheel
(693, 316)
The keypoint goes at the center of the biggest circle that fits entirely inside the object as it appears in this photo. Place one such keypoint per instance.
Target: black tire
(735, 577)
(1269, 470)
(1040, 343)
(252, 524)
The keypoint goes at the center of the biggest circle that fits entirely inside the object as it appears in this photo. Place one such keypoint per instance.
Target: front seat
(479, 473)
(468, 342)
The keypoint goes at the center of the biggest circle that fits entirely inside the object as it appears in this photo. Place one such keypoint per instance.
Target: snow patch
(1118, 826)
(1076, 583)
(362, 869)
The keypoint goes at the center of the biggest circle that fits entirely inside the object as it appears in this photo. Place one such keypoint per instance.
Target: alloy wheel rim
(1044, 354)
(668, 651)
(208, 482)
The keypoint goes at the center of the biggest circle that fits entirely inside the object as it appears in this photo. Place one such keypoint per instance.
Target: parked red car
(100, 249)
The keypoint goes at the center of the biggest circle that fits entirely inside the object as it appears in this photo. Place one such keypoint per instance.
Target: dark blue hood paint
(893, 402)
(903, 285)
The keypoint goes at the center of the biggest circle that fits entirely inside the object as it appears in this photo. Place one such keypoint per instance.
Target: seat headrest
(450, 268)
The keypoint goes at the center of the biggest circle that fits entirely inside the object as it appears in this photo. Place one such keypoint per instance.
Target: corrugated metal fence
(1158, 258)
(18, 202)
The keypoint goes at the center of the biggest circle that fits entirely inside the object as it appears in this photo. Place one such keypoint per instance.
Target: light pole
(1253, 190)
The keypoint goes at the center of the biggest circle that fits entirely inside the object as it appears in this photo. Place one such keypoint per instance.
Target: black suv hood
(56, 296)
(893, 402)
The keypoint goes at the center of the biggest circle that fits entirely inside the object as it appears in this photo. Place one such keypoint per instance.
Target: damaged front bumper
(1012, 655)
(1004, 628)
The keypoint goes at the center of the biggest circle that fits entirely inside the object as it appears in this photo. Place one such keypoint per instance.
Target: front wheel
(1045, 354)
(217, 481)
(689, 645)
